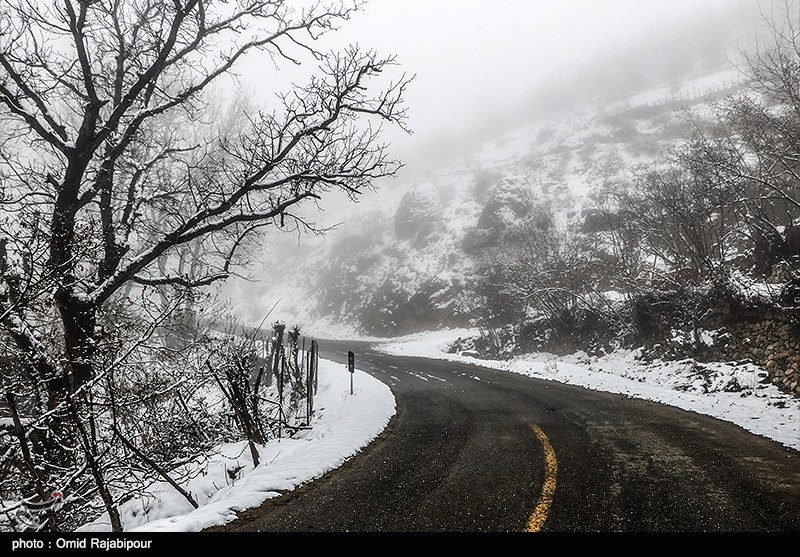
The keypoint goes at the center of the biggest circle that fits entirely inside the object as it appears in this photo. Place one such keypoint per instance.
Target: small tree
(682, 217)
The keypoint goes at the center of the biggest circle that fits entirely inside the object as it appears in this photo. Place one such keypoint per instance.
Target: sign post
(351, 367)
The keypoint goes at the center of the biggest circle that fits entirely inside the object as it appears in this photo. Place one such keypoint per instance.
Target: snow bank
(226, 482)
(728, 391)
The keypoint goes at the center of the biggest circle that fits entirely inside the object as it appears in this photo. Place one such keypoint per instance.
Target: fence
(293, 364)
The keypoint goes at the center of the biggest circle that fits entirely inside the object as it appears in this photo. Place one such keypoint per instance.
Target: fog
(483, 68)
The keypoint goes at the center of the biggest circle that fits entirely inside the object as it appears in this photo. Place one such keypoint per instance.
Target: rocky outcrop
(419, 214)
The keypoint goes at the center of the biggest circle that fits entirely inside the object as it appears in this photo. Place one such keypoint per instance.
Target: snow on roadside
(342, 425)
(727, 391)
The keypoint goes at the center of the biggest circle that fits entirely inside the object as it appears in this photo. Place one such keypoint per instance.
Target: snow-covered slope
(404, 255)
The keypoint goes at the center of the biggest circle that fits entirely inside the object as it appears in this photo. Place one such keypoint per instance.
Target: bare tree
(547, 266)
(682, 218)
(750, 145)
(118, 183)
(100, 184)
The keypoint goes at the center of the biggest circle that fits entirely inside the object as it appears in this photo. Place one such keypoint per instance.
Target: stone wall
(774, 344)
(768, 338)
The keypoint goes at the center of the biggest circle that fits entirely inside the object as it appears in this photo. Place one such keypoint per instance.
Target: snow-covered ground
(727, 391)
(227, 482)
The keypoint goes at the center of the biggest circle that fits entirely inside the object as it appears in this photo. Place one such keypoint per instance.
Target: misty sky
(481, 67)
(475, 59)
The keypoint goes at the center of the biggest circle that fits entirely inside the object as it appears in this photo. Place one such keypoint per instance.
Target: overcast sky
(474, 58)
(479, 61)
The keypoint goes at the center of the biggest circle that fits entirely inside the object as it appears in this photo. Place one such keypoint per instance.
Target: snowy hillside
(401, 260)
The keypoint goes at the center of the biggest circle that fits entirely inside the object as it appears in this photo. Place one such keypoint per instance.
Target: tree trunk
(79, 321)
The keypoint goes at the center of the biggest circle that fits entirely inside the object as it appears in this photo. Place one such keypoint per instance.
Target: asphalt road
(472, 450)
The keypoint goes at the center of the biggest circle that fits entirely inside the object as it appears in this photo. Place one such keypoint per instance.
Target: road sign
(351, 366)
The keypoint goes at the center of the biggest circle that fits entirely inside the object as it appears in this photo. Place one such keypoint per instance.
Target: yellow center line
(539, 516)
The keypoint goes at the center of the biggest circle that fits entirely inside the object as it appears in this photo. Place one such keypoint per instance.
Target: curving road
(474, 449)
